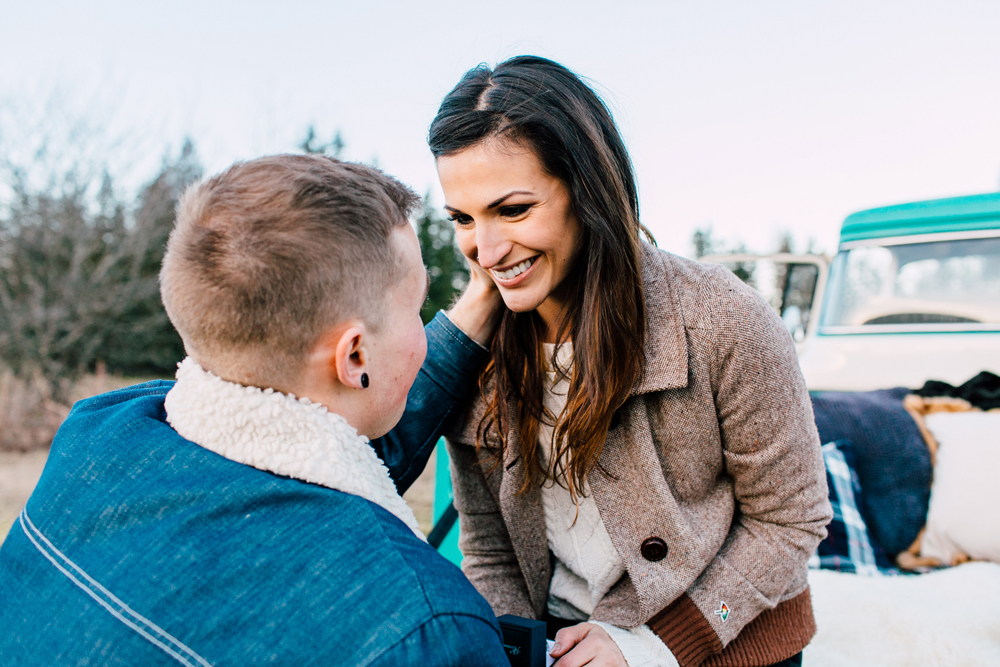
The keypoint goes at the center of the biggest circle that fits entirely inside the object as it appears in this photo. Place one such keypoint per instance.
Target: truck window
(931, 286)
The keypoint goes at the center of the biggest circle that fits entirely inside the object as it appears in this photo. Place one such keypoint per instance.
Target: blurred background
(753, 127)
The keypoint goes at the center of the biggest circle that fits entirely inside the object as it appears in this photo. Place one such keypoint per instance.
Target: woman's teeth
(515, 271)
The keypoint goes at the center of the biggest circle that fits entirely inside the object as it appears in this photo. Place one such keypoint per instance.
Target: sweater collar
(281, 434)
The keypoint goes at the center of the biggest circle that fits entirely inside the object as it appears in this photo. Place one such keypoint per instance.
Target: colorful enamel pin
(723, 611)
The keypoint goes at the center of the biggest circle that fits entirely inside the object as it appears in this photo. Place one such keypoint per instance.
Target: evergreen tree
(312, 146)
(142, 340)
(702, 242)
(445, 264)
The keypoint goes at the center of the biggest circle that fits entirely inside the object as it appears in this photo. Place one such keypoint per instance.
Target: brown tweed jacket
(715, 453)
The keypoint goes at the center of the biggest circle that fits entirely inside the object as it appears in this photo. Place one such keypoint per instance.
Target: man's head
(274, 261)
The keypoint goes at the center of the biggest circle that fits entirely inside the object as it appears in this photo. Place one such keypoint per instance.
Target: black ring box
(523, 640)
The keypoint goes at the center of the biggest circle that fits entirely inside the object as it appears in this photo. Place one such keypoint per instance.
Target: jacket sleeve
(448, 640)
(448, 372)
(771, 451)
(488, 557)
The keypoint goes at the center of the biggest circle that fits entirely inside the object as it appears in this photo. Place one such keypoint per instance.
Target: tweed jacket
(715, 453)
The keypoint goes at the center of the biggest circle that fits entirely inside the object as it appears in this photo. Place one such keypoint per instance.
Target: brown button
(653, 549)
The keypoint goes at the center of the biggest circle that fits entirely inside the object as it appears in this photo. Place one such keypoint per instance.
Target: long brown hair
(541, 104)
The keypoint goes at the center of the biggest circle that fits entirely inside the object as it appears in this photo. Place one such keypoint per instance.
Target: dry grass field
(19, 472)
(420, 496)
(29, 415)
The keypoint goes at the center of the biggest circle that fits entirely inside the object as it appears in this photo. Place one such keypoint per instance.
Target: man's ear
(350, 356)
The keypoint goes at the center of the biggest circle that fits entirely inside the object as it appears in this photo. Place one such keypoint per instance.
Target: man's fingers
(569, 637)
(580, 655)
(476, 272)
(594, 649)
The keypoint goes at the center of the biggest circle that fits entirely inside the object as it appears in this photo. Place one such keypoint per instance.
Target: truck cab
(912, 294)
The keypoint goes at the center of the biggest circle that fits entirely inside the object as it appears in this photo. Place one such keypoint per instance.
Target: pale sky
(753, 118)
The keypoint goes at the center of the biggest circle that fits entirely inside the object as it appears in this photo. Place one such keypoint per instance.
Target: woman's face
(515, 220)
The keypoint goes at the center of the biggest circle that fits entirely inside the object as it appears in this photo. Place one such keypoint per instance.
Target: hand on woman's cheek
(586, 644)
(480, 277)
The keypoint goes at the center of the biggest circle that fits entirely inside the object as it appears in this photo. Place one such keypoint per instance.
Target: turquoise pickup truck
(912, 294)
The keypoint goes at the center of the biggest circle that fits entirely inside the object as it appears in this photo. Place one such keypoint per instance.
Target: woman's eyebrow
(495, 203)
(506, 196)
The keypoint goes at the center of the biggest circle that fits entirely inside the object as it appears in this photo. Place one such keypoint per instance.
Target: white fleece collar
(279, 433)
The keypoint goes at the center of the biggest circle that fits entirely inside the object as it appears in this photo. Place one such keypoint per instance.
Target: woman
(642, 456)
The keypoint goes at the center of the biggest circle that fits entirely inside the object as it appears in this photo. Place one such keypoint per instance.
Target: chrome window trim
(922, 238)
(958, 327)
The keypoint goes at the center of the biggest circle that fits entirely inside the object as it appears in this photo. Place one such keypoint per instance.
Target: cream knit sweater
(586, 562)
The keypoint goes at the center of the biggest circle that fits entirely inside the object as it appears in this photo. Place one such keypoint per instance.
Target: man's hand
(586, 644)
(477, 312)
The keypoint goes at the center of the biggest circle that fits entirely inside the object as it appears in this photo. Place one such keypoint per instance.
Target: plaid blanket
(847, 546)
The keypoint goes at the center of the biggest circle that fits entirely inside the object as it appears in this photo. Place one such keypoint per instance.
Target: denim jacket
(139, 547)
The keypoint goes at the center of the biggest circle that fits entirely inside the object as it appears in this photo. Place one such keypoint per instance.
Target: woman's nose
(491, 245)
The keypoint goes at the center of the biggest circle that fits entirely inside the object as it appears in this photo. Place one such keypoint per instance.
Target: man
(240, 515)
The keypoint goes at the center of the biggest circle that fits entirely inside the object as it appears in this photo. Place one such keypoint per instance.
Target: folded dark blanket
(893, 462)
(983, 391)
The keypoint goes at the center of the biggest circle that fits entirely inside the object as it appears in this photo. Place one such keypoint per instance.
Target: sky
(755, 119)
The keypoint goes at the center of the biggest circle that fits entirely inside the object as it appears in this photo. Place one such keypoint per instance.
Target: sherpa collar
(282, 434)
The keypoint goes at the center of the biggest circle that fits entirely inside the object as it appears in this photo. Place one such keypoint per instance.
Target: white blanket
(950, 617)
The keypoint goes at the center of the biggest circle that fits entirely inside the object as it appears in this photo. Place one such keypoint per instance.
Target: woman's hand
(477, 311)
(586, 644)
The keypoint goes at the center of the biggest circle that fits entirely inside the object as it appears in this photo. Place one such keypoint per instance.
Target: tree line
(79, 291)
(79, 265)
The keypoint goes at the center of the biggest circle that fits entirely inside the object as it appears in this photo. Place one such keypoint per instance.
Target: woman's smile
(510, 277)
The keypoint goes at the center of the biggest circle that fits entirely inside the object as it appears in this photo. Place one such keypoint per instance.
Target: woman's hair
(540, 104)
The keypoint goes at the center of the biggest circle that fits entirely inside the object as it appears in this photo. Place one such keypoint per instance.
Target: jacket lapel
(628, 485)
(666, 342)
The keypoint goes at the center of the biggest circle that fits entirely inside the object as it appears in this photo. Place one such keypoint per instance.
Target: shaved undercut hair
(272, 253)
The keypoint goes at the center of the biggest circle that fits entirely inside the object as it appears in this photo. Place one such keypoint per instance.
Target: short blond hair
(271, 253)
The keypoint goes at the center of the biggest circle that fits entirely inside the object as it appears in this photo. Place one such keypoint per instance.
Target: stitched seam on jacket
(467, 342)
(31, 531)
(713, 375)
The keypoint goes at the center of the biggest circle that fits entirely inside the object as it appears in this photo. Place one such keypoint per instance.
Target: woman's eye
(514, 211)
(460, 219)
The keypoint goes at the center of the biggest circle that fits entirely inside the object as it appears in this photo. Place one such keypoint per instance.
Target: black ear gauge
(364, 380)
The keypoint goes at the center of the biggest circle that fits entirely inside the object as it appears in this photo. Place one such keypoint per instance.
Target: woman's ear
(350, 358)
